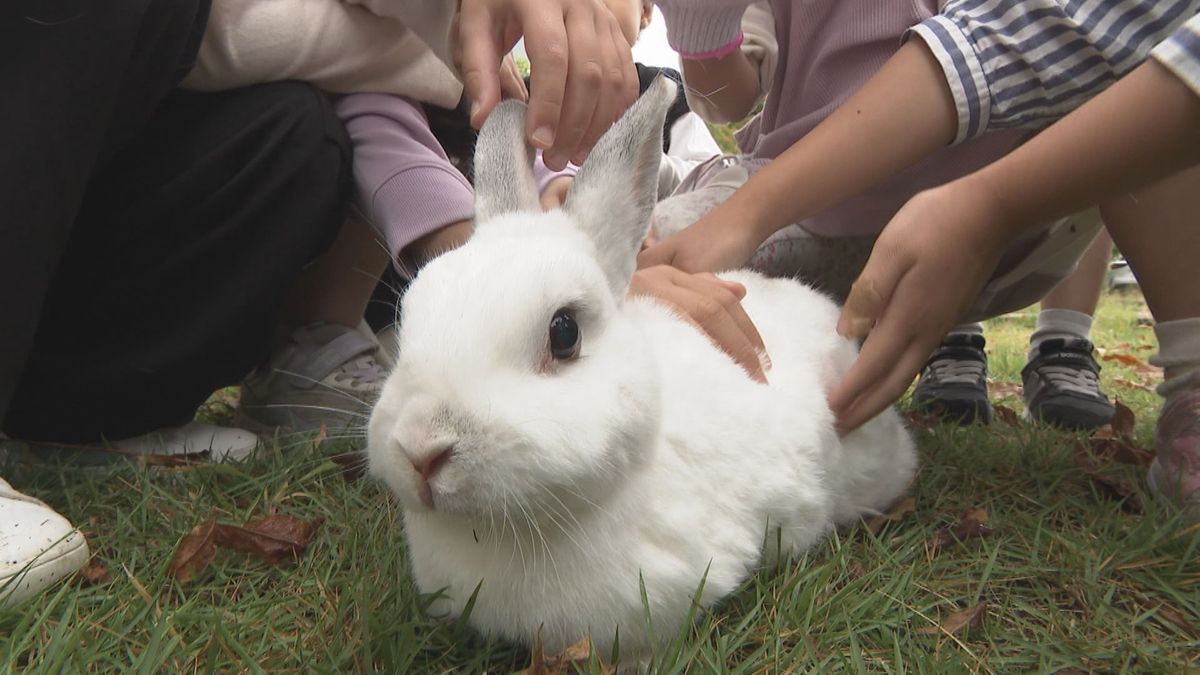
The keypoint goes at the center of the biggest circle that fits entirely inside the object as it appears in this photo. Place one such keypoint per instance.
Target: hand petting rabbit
(557, 445)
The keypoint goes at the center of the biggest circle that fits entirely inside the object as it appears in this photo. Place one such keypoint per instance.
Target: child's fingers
(718, 310)
(581, 104)
(480, 60)
(876, 381)
(512, 84)
(662, 253)
(546, 44)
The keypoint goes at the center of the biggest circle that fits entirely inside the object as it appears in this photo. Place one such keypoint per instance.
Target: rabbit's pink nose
(432, 462)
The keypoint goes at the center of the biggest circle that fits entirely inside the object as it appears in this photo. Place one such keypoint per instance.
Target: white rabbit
(554, 443)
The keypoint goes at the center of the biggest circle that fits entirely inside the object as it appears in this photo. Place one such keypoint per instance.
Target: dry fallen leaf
(194, 552)
(1006, 415)
(1139, 366)
(894, 515)
(919, 421)
(1120, 357)
(1000, 390)
(972, 525)
(276, 539)
(92, 575)
(961, 621)
(1112, 487)
(1114, 441)
(1122, 421)
(578, 654)
(1130, 384)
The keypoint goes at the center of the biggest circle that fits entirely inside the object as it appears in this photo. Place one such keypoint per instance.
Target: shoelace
(1077, 379)
(956, 371)
(361, 372)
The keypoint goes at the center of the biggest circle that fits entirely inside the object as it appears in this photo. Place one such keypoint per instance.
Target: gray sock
(1061, 324)
(1179, 352)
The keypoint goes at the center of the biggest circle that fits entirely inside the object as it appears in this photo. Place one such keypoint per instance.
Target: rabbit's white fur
(652, 456)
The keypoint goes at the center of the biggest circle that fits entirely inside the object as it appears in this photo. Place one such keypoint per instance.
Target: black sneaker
(1062, 386)
(953, 384)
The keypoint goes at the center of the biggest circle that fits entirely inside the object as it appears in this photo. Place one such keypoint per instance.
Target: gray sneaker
(1062, 386)
(326, 375)
(953, 384)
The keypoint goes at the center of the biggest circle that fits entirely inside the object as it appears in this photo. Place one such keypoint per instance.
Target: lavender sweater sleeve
(406, 184)
(704, 29)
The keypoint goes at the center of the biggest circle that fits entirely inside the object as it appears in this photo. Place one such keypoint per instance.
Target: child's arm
(727, 54)
(935, 256)
(902, 114)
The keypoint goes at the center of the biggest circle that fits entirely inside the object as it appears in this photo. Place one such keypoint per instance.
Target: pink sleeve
(406, 184)
(542, 175)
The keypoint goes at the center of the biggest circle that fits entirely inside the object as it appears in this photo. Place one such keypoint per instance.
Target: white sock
(1061, 324)
(1179, 353)
(967, 329)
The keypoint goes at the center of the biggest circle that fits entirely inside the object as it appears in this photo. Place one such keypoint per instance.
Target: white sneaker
(221, 444)
(38, 547)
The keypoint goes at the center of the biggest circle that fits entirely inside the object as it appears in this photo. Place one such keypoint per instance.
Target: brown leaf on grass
(1130, 384)
(1006, 415)
(354, 465)
(894, 515)
(1000, 390)
(1179, 619)
(578, 654)
(276, 539)
(1114, 441)
(1167, 613)
(1120, 357)
(919, 421)
(1112, 487)
(1139, 366)
(959, 622)
(972, 525)
(194, 552)
(92, 575)
(855, 571)
(1122, 421)
(1123, 452)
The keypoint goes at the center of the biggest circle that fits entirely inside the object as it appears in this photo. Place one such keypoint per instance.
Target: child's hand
(512, 85)
(714, 305)
(708, 245)
(556, 192)
(584, 79)
(926, 270)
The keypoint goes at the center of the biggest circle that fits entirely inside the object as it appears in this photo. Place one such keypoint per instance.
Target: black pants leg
(79, 78)
(165, 280)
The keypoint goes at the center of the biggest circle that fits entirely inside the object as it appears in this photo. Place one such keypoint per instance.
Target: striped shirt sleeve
(1027, 63)
(1180, 53)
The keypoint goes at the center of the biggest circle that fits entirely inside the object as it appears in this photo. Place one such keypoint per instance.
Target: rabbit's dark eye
(564, 335)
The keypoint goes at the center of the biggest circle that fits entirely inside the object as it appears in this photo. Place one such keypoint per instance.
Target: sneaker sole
(43, 573)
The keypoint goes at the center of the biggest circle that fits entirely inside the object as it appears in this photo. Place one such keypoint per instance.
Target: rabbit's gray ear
(614, 193)
(504, 165)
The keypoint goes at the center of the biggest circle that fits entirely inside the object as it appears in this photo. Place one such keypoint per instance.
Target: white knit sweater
(387, 46)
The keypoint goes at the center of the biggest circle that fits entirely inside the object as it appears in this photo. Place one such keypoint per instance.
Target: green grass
(1071, 581)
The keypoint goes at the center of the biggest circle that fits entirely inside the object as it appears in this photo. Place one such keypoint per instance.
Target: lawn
(1071, 578)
